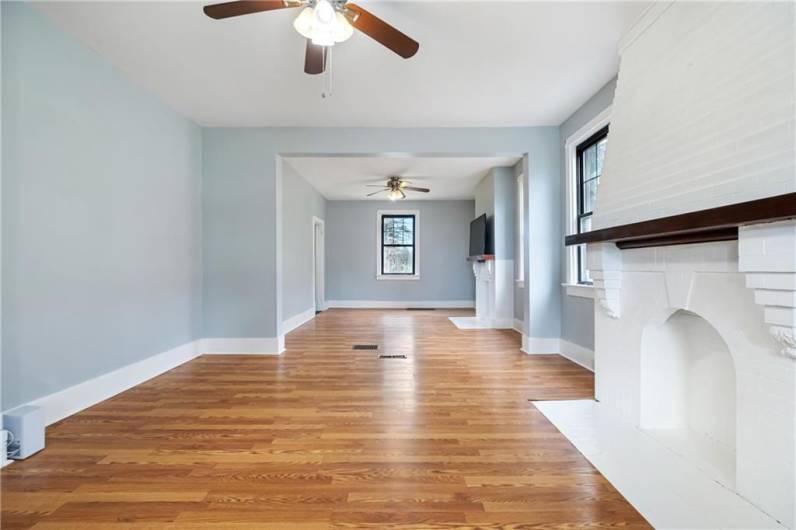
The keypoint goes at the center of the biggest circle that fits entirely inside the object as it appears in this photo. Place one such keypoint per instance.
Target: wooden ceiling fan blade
(314, 58)
(412, 188)
(375, 192)
(246, 7)
(380, 31)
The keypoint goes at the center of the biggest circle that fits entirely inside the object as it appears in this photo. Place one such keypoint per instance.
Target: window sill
(579, 290)
(397, 277)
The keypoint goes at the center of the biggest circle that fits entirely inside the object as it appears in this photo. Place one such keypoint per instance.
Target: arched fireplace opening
(688, 392)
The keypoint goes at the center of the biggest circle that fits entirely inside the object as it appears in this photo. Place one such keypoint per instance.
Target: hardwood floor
(326, 437)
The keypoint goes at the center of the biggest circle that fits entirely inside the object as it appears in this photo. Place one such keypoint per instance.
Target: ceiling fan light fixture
(323, 25)
(394, 194)
(343, 28)
(304, 22)
(324, 13)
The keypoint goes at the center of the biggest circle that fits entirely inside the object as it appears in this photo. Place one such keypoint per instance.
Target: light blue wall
(601, 100)
(544, 191)
(100, 215)
(444, 239)
(485, 196)
(303, 202)
(242, 188)
(495, 197)
(485, 202)
(239, 233)
(505, 211)
(577, 314)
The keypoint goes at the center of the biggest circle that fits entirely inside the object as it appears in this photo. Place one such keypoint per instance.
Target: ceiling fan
(323, 23)
(396, 187)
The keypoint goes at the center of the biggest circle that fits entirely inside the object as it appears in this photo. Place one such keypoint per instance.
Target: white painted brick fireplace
(703, 114)
(694, 344)
(687, 353)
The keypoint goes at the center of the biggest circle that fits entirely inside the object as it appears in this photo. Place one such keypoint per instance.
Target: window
(397, 244)
(519, 244)
(398, 249)
(584, 154)
(590, 155)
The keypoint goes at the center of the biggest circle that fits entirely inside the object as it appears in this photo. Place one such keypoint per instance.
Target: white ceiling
(347, 177)
(480, 63)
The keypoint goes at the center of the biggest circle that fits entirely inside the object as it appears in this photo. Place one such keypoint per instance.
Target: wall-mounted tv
(480, 236)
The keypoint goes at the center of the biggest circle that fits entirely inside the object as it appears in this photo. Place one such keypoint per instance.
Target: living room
(279, 264)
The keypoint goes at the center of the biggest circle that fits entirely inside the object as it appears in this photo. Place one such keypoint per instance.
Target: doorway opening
(318, 264)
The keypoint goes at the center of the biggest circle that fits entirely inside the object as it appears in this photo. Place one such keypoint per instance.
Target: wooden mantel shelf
(482, 258)
(714, 224)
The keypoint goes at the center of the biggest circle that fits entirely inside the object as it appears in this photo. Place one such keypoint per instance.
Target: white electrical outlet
(27, 425)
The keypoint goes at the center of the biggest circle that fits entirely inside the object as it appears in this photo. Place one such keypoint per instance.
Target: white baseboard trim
(68, 401)
(518, 325)
(578, 354)
(503, 323)
(574, 352)
(297, 320)
(540, 346)
(397, 304)
(481, 323)
(242, 346)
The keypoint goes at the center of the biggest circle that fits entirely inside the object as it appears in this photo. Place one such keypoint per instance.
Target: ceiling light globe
(323, 25)
(304, 22)
(323, 38)
(394, 195)
(324, 13)
(342, 28)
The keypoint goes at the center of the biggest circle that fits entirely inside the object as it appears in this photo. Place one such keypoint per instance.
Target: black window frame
(413, 246)
(581, 214)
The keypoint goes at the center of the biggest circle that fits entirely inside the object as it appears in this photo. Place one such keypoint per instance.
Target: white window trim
(578, 290)
(519, 243)
(571, 198)
(390, 277)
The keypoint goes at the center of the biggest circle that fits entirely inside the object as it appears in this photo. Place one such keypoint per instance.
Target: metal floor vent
(365, 347)
(398, 356)
(421, 308)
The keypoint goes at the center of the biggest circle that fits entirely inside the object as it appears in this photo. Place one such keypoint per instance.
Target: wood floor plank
(325, 437)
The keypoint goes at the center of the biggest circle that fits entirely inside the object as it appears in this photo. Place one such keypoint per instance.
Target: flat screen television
(480, 236)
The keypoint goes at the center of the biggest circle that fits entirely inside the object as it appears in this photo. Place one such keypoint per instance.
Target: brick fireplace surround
(694, 344)
(725, 398)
